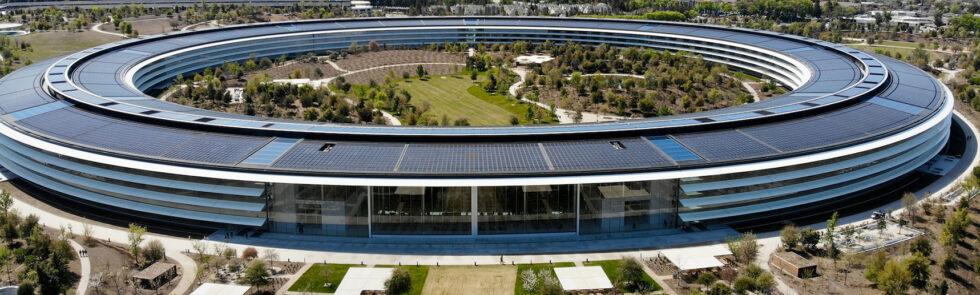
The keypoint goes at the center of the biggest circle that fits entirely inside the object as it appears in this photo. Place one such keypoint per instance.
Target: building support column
(370, 205)
(474, 219)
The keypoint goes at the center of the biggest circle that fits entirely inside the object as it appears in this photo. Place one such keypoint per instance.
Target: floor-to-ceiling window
(526, 209)
(627, 206)
(421, 211)
(320, 209)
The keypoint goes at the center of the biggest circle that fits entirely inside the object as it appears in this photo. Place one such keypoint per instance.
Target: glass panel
(628, 206)
(421, 211)
(320, 210)
(526, 209)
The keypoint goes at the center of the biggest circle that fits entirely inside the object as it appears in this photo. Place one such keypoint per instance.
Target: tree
(874, 266)
(894, 278)
(256, 274)
(399, 283)
(420, 71)
(6, 202)
(790, 237)
(809, 239)
(918, 269)
(719, 288)
(922, 246)
(745, 248)
(631, 276)
(908, 201)
(135, 236)
(829, 234)
(954, 228)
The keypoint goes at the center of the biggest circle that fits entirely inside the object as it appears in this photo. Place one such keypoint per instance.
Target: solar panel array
(603, 154)
(350, 156)
(473, 158)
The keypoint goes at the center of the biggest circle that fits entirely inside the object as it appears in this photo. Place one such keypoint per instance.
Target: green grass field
(458, 97)
(316, 278)
(418, 274)
(50, 44)
(611, 268)
(905, 51)
(518, 287)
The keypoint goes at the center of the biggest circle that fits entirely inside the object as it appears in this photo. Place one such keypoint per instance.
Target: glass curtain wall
(526, 209)
(628, 206)
(320, 210)
(421, 211)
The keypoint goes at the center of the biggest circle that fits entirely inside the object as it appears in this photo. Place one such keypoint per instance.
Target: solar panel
(343, 156)
(911, 109)
(271, 151)
(470, 158)
(37, 110)
(723, 145)
(603, 154)
(674, 149)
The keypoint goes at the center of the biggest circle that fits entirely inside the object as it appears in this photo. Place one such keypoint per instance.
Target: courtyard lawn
(418, 274)
(319, 275)
(50, 44)
(519, 285)
(611, 268)
(905, 51)
(458, 97)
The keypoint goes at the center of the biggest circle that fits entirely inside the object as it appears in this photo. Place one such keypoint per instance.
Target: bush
(399, 283)
(743, 284)
(631, 276)
(918, 268)
(875, 264)
(229, 253)
(153, 252)
(894, 278)
(706, 279)
(719, 288)
(790, 237)
(922, 246)
(250, 253)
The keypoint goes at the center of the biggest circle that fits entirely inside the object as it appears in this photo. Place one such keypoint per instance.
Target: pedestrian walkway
(86, 264)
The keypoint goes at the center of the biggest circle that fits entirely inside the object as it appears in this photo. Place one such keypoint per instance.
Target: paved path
(336, 66)
(98, 29)
(86, 274)
(187, 274)
(295, 277)
(193, 27)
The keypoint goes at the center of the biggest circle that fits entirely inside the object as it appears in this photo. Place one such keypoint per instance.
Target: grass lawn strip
(315, 279)
(418, 274)
(611, 268)
(537, 267)
(50, 44)
(449, 96)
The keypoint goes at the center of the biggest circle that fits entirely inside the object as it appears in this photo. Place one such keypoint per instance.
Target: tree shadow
(962, 281)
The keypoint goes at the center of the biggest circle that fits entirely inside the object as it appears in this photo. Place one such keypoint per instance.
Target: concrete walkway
(188, 271)
(86, 263)
(295, 277)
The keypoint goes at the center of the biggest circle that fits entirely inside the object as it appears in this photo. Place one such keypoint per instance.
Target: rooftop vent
(111, 103)
(150, 112)
(327, 147)
(617, 145)
(267, 125)
(205, 119)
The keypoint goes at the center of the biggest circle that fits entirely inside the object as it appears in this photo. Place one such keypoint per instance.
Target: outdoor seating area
(359, 280)
(155, 275)
(587, 279)
(686, 264)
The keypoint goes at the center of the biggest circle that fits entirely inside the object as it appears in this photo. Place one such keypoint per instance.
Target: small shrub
(250, 253)
(153, 252)
(706, 279)
(399, 283)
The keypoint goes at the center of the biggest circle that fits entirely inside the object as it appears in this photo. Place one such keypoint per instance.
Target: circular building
(81, 128)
